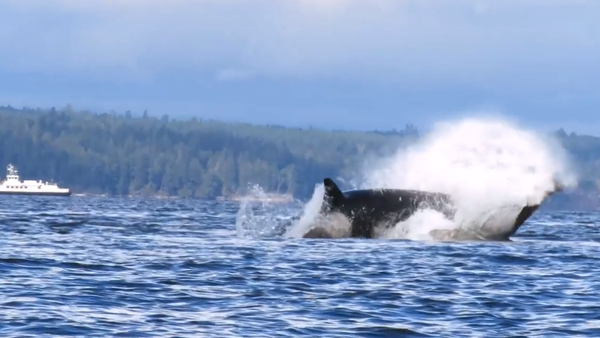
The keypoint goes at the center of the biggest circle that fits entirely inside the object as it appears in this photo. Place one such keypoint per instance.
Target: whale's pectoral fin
(333, 197)
(525, 213)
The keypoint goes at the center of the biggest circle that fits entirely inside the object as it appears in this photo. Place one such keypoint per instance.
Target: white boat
(14, 186)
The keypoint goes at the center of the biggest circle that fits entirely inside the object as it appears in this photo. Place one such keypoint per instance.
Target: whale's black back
(369, 208)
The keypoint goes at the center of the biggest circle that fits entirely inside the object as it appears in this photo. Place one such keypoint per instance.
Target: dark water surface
(97, 267)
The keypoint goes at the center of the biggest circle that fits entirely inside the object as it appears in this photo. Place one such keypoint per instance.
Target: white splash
(309, 214)
(490, 167)
(257, 216)
(486, 165)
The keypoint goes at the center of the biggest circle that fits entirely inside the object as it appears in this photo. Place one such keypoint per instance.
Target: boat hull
(37, 193)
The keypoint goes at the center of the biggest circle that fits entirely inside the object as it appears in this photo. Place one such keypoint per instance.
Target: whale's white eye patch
(400, 198)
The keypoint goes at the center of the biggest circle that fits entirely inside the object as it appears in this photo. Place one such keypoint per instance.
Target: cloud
(549, 42)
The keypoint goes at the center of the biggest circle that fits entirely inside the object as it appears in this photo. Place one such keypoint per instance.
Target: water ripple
(140, 268)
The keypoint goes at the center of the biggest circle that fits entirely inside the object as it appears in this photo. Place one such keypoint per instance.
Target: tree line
(118, 154)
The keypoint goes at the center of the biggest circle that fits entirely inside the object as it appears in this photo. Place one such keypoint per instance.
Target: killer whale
(369, 209)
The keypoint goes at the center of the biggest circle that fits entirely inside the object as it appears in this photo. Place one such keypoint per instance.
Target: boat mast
(12, 172)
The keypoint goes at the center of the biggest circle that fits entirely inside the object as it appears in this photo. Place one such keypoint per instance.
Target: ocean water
(123, 267)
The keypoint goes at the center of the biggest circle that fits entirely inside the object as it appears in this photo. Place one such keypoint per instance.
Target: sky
(343, 64)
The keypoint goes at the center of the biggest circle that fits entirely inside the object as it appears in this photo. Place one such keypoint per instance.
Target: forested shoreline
(118, 154)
